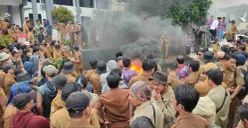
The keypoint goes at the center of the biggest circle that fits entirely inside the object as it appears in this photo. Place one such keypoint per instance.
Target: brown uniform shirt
(8, 82)
(96, 82)
(31, 38)
(189, 120)
(192, 78)
(173, 81)
(228, 77)
(61, 118)
(4, 98)
(78, 124)
(137, 78)
(216, 48)
(116, 106)
(8, 116)
(70, 78)
(2, 78)
(57, 103)
(90, 73)
(57, 54)
(79, 66)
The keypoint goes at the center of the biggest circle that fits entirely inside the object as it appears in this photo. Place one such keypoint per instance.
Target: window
(63, 2)
(38, 1)
(102, 4)
(86, 3)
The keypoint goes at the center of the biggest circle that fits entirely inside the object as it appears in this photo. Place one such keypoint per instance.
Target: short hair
(117, 71)
(5, 31)
(21, 29)
(142, 122)
(194, 65)
(37, 20)
(228, 57)
(113, 80)
(180, 59)
(216, 76)
(243, 111)
(187, 96)
(118, 54)
(76, 48)
(36, 49)
(41, 28)
(172, 65)
(13, 52)
(219, 18)
(18, 71)
(149, 64)
(26, 18)
(30, 28)
(93, 64)
(82, 80)
(126, 62)
(223, 17)
(242, 47)
(23, 47)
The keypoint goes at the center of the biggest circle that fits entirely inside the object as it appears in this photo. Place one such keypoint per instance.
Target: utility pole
(78, 10)
(35, 11)
(49, 8)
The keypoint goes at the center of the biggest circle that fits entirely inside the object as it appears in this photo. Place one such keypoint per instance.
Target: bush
(5, 40)
(62, 14)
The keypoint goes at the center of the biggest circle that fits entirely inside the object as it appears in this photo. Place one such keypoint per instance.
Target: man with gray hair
(140, 97)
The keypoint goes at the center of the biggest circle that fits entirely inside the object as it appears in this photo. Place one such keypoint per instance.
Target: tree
(62, 14)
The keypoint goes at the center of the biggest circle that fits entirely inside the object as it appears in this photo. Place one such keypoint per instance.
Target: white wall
(11, 2)
(16, 14)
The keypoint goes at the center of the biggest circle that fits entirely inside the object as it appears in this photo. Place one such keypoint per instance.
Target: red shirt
(21, 38)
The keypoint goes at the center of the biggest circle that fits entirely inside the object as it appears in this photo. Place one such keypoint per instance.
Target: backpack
(244, 89)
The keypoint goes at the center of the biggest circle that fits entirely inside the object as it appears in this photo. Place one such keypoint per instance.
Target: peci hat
(21, 100)
(24, 76)
(77, 102)
(68, 67)
(101, 67)
(59, 81)
(70, 88)
(160, 77)
(7, 68)
(208, 57)
(3, 56)
(7, 15)
(50, 70)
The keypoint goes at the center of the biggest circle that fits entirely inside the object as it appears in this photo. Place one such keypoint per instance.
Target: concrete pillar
(10, 11)
(21, 10)
(35, 10)
(49, 7)
(78, 10)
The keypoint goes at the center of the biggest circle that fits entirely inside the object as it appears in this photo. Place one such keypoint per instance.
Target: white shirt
(214, 25)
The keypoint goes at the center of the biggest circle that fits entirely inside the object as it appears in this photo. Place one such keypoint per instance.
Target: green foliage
(62, 14)
(67, 43)
(5, 40)
(57, 63)
(195, 12)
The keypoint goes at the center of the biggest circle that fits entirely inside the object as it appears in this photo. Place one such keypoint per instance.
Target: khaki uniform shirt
(189, 120)
(216, 48)
(8, 116)
(78, 124)
(206, 108)
(202, 88)
(8, 82)
(2, 78)
(57, 103)
(4, 98)
(199, 60)
(192, 78)
(79, 66)
(90, 73)
(217, 96)
(96, 82)
(173, 81)
(137, 78)
(31, 38)
(166, 104)
(228, 77)
(146, 109)
(57, 54)
(70, 78)
(61, 118)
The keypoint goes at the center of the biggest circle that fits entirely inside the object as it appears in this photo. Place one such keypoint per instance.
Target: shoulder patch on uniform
(242, 75)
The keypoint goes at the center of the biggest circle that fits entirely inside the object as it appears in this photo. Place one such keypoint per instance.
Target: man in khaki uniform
(67, 70)
(78, 60)
(139, 97)
(95, 78)
(61, 27)
(164, 42)
(228, 69)
(194, 75)
(9, 79)
(186, 119)
(173, 81)
(148, 67)
(219, 96)
(57, 53)
(164, 97)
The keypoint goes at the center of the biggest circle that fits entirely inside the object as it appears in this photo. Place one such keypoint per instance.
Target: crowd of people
(207, 91)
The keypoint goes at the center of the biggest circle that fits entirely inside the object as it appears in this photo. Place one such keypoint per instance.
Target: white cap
(7, 15)
(27, 43)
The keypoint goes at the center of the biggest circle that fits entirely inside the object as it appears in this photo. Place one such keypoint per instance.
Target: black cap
(59, 81)
(101, 67)
(7, 68)
(70, 88)
(21, 100)
(57, 46)
(77, 102)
